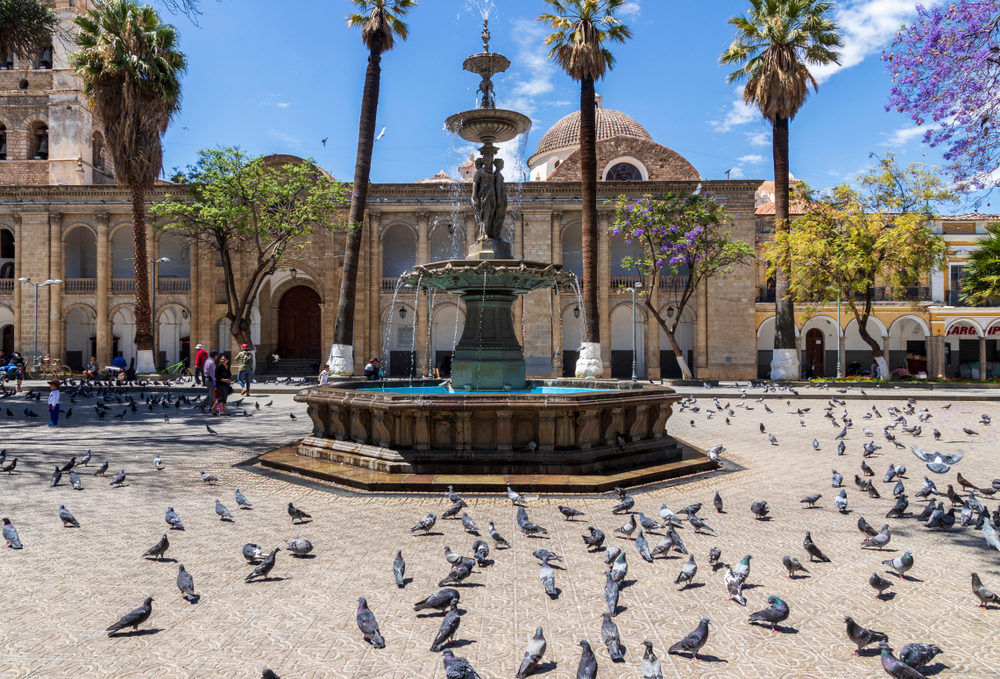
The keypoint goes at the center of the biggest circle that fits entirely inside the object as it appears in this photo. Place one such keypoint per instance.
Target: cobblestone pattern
(67, 585)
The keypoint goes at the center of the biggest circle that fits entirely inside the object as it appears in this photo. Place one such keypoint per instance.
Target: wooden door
(814, 351)
(299, 324)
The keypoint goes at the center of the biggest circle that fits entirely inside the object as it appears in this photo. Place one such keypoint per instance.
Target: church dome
(610, 124)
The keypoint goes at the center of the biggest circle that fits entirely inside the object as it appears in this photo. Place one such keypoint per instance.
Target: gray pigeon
(813, 551)
(838, 479)
(880, 540)
(687, 573)
(241, 501)
(252, 553)
(425, 524)
(643, 547)
(611, 638)
(937, 462)
(543, 553)
(265, 567)
(548, 578)
(120, 479)
(611, 594)
(569, 512)
(459, 573)
(468, 524)
(734, 584)
(399, 569)
(133, 618)
(222, 511)
(171, 518)
(299, 546)
(717, 501)
(515, 498)
(75, 481)
(369, 625)
(650, 666)
(776, 612)
(457, 668)
(481, 551)
(620, 568)
(693, 642)
(983, 593)
(894, 667)
(208, 478)
(440, 600)
(811, 500)
(648, 523)
(879, 584)
(900, 564)
(56, 476)
(455, 508)
(297, 514)
(497, 538)
(860, 636)
(699, 524)
(587, 669)
(159, 549)
(628, 528)
(185, 583)
(532, 656)
(918, 655)
(759, 509)
(841, 501)
(714, 554)
(10, 534)
(792, 565)
(103, 468)
(449, 626)
(67, 517)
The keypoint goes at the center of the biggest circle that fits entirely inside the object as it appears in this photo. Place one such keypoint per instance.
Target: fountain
(489, 423)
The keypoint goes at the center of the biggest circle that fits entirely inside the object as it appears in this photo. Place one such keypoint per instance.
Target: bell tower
(48, 134)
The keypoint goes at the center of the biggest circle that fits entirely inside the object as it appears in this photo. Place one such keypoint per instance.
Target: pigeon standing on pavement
(687, 573)
(611, 594)
(548, 578)
(133, 618)
(241, 501)
(587, 669)
(468, 524)
(650, 665)
(425, 524)
(569, 512)
(264, 568)
(252, 553)
(449, 626)
(693, 642)
(120, 479)
(900, 564)
(792, 565)
(983, 593)
(10, 534)
(498, 539)
(595, 539)
(776, 612)
(532, 656)
(75, 481)
(399, 569)
(67, 517)
(860, 636)
(173, 519)
(895, 667)
(515, 498)
(841, 501)
(368, 625)
(56, 476)
(185, 583)
(879, 584)
(297, 514)
(814, 552)
(918, 655)
(222, 511)
(159, 549)
(457, 668)
(298, 547)
(611, 638)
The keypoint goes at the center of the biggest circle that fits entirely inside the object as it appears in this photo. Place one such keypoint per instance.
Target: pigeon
(861, 636)
(425, 524)
(548, 577)
(815, 444)
(898, 489)
(480, 550)
(698, 524)
(811, 500)
(75, 481)
(595, 539)
(900, 564)
(157, 462)
(759, 509)
(10, 534)
(569, 512)
(208, 478)
(717, 501)
(918, 655)
(452, 557)
(772, 439)
(173, 519)
(468, 524)
(814, 551)
(185, 583)
(693, 642)
(532, 656)
(889, 474)
(120, 479)
(56, 476)
(714, 554)
(983, 593)
(369, 625)
(611, 638)
(776, 612)
(619, 569)
(628, 528)
(970, 432)
(643, 547)
(498, 539)
(9, 468)
(297, 514)
(85, 462)
(529, 528)
(648, 523)
(937, 435)
(792, 565)
(938, 462)
(398, 569)
(895, 667)
(159, 549)
(298, 546)
(841, 501)
(664, 546)
(734, 584)
(650, 666)
(928, 489)
(222, 511)
(624, 505)
(69, 465)
(841, 448)
(866, 528)
(67, 518)
(611, 594)
(880, 540)
(252, 553)
(457, 668)
(460, 572)
(990, 535)
(587, 669)
(454, 509)
(879, 584)
(866, 470)
(956, 499)
(668, 516)
(211, 431)
(241, 501)
(838, 479)
(100, 470)
(133, 618)
(440, 600)
(687, 573)
(265, 566)
(515, 498)
(449, 626)
(742, 569)
(899, 508)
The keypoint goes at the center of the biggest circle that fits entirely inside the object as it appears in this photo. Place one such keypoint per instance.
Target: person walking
(200, 356)
(244, 366)
(54, 402)
(223, 385)
(208, 379)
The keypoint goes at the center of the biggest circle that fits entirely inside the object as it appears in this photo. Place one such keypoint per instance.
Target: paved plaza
(68, 584)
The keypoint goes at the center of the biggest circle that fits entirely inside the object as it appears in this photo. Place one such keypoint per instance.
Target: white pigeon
(515, 498)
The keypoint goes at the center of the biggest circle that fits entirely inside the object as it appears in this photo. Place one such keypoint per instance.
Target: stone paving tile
(67, 585)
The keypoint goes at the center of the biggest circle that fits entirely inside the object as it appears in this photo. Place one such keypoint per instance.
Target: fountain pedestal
(488, 357)
(490, 248)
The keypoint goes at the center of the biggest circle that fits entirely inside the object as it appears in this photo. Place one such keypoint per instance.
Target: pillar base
(144, 362)
(590, 365)
(785, 365)
(341, 360)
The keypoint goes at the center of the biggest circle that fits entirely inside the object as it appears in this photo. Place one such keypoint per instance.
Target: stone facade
(659, 162)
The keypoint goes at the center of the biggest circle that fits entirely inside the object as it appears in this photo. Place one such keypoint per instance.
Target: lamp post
(156, 284)
(840, 368)
(36, 286)
(633, 289)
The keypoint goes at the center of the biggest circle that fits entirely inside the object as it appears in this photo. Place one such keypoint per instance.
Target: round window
(624, 172)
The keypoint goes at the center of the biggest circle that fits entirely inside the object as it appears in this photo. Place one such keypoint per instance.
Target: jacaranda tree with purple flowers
(678, 231)
(945, 69)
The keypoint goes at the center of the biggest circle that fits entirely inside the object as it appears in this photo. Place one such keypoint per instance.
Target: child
(324, 376)
(54, 402)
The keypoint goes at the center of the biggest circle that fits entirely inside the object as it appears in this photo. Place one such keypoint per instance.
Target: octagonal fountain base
(564, 435)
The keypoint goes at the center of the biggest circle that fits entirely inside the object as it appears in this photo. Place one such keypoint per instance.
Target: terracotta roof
(610, 124)
(794, 208)
(440, 177)
(768, 187)
(969, 217)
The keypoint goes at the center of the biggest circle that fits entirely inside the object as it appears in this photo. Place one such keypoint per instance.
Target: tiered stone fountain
(490, 426)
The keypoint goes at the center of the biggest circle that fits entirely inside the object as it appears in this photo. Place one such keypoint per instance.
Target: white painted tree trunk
(144, 362)
(341, 360)
(883, 368)
(590, 365)
(785, 365)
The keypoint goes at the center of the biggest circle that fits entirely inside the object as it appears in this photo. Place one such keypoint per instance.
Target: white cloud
(904, 135)
(535, 79)
(739, 114)
(283, 105)
(752, 159)
(287, 139)
(631, 8)
(762, 138)
(737, 173)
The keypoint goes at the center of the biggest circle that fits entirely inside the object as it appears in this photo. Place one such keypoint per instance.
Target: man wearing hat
(244, 364)
(200, 357)
(371, 370)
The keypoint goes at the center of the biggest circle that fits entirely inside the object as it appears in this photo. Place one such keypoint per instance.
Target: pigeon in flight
(937, 462)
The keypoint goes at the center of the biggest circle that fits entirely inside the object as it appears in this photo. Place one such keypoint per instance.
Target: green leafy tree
(776, 42)
(131, 69)
(582, 31)
(26, 28)
(981, 282)
(380, 24)
(849, 242)
(678, 231)
(249, 213)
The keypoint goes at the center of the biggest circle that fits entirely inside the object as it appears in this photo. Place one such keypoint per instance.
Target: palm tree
(380, 26)
(582, 29)
(981, 282)
(26, 28)
(131, 69)
(775, 43)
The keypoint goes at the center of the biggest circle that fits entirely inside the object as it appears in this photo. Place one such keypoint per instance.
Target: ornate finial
(486, 36)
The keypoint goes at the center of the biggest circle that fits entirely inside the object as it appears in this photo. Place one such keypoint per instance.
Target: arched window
(98, 151)
(38, 141)
(624, 172)
(399, 251)
(3, 142)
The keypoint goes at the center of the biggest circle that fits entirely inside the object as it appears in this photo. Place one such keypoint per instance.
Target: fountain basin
(552, 427)
(488, 125)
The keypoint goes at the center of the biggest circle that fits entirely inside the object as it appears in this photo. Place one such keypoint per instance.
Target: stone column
(18, 286)
(603, 288)
(935, 356)
(885, 355)
(55, 344)
(104, 290)
(556, 257)
(982, 357)
(423, 300)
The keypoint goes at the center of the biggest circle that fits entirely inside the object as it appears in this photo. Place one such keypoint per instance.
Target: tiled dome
(610, 124)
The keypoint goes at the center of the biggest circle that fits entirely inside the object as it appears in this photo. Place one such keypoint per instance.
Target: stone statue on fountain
(489, 199)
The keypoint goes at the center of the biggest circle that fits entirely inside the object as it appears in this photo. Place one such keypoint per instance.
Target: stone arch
(631, 160)
(954, 322)
(79, 251)
(38, 139)
(640, 309)
(894, 326)
(121, 250)
(399, 249)
(768, 324)
(689, 313)
(873, 324)
(446, 240)
(77, 331)
(993, 328)
(621, 345)
(170, 328)
(571, 245)
(287, 284)
(178, 251)
(122, 319)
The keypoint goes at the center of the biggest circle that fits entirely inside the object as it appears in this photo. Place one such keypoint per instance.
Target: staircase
(292, 367)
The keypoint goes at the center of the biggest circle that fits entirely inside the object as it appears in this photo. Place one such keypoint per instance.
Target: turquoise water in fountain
(444, 390)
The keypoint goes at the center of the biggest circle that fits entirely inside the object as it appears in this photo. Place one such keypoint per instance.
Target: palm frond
(582, 30)
(380, 22)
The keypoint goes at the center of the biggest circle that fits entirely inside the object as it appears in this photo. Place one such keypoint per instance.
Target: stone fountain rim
(458, 123)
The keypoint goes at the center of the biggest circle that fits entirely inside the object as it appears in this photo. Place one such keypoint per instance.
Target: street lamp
(633, 289)
(840, 368)
(36, 286)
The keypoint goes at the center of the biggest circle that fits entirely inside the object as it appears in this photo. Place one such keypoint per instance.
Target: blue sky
(279, 78)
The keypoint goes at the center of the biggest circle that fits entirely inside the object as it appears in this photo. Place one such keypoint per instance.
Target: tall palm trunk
(343, 333)
(143, 311)
(784, 308)
(588, 192)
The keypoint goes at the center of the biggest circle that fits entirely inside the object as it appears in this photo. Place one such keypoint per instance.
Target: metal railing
(619, 283)
(389, 284)
(80, 286)
(173, 285)
(122, 286)
(673, 283)
(6, 286)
